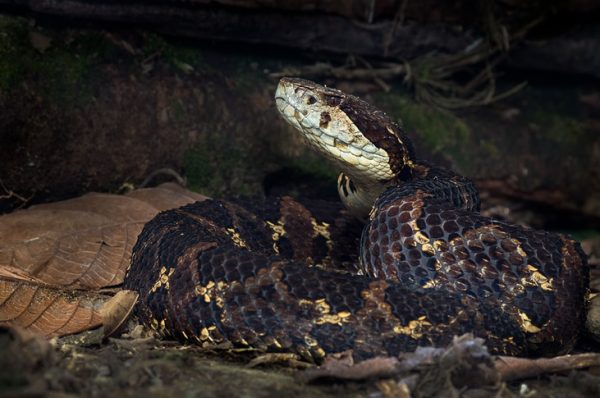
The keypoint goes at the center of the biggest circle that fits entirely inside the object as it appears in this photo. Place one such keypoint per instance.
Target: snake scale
(310, 277)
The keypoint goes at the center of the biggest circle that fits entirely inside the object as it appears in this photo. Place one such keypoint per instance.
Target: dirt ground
(136, 364)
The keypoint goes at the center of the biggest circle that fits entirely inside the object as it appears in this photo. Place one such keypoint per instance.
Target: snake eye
(333, 100)
(311, 100)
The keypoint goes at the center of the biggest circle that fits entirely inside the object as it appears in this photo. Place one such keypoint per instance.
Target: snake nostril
(311, 100)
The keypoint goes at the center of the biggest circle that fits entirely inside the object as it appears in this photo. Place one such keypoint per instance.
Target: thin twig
(12, 194)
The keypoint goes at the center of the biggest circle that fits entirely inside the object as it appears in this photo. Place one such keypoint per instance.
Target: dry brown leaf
(72, 248)
(46, 311)
(54, 257)
(166, 196)
(116, 310)
(82, 243)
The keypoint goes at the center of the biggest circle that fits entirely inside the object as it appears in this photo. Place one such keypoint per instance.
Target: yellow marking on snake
(276, 343)
(413, 225)
(323, 230)
(526, 323)
(278, 231)
(334, 319)
(509, 340)
(324, 310)
(310, 341)
(427, 248)
(421, 238)
(210, 290)
(320, 228)
(537, 278)
(520, 250)
(429, 284)
(206, 334)
(163, 279)
(235, 237)
(414, 329)
(434, 282)
(440, 245)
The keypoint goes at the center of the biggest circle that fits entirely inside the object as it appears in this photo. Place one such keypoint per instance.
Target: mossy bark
(85, 110)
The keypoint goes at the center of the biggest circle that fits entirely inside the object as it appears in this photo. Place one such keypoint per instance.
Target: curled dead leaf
(117, 310)
(48, 311)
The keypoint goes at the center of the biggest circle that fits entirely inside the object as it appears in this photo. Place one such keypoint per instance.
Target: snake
(404, 260)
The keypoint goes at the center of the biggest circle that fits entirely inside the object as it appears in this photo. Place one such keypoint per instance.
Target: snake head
(368, 146)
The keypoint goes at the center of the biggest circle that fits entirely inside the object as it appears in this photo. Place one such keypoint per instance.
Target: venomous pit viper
(305, 276)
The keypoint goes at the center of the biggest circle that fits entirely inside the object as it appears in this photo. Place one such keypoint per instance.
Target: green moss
(60, 70)
(560, 128)
(13, 40)
(581, 234)
(489, 149)
(248, 75)
(178, 110)
(313, 165)
(181, 56)
(94, 46)
(218, 171)
(198, 170)
(436, 130)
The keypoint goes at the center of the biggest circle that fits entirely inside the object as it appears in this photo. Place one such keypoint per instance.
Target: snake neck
(435, 185)
(359, 196)
(443, 185)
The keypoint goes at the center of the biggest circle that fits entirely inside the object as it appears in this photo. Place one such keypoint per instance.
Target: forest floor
(140, 365)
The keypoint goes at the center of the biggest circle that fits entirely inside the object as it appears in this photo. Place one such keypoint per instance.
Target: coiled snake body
(286, 275)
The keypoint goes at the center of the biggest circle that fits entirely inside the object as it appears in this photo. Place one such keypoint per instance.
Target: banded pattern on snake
(308, 277)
